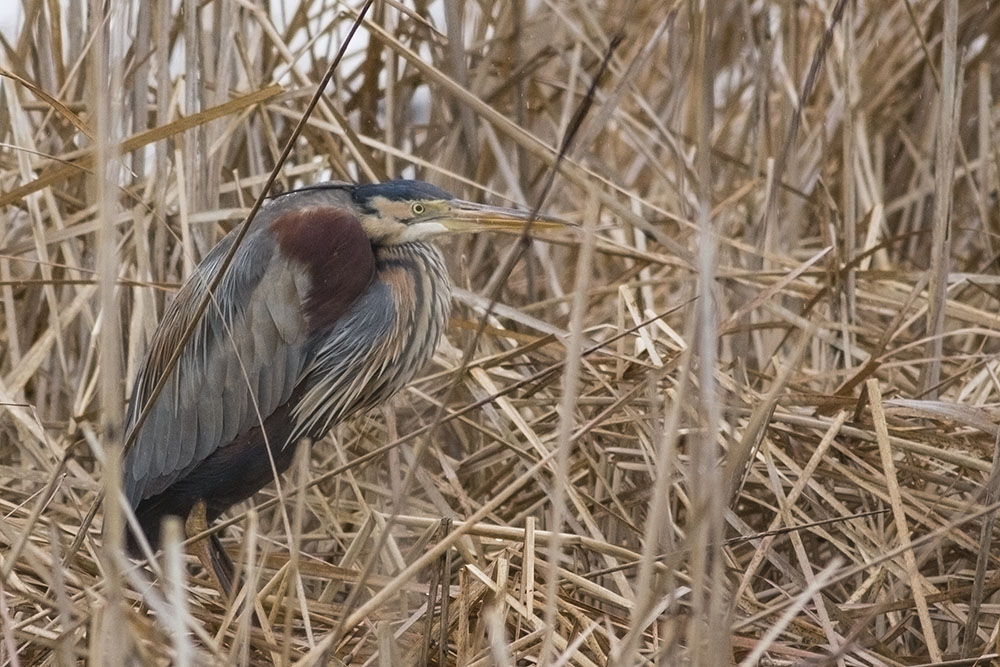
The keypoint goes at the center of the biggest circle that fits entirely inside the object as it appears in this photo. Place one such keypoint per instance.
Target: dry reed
(744, 414)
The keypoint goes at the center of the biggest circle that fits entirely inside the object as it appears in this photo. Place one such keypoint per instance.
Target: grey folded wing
(242, 363)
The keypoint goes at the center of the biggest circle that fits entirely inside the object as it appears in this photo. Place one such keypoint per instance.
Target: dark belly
(229, 475)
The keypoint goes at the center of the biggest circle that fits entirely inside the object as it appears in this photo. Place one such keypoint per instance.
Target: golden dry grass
(745, 414)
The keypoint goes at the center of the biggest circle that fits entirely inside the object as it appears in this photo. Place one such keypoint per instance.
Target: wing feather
(227, 365)
(301, 267)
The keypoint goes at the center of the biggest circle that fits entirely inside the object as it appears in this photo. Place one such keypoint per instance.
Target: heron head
(405, 211)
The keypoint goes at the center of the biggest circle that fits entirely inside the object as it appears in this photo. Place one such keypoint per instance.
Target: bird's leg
(209, 551)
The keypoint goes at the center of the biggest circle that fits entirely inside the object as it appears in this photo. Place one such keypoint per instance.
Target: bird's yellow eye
(418, 209)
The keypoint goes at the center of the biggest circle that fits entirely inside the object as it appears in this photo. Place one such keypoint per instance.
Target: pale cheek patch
(388, 208)
(419, 231)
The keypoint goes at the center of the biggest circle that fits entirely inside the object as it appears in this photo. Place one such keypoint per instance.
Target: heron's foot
(209, 551)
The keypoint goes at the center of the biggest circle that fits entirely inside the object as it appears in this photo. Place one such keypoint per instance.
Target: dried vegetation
(745, 413)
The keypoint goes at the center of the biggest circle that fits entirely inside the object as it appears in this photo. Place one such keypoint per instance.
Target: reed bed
(744, 412)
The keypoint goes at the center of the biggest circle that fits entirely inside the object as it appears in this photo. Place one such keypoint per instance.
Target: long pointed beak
(466, 216)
